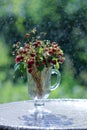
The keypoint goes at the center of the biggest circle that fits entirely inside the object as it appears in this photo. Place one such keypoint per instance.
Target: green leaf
(41, 58)
(57, 65)
(41, 67)
(40, 49)
(20, 67)
(17, 66)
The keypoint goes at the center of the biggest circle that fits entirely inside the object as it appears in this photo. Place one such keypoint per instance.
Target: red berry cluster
(38, 54)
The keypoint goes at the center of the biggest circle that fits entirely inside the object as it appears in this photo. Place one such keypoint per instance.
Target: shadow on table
(48, 120)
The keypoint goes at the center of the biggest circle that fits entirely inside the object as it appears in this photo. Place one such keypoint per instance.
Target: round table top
(64, 114)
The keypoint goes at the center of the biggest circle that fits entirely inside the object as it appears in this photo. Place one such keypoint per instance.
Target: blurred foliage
(65, 21)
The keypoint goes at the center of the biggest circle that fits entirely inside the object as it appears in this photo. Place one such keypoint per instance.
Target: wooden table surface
(64, 114)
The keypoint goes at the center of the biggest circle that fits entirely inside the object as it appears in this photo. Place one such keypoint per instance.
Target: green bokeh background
(65, 22)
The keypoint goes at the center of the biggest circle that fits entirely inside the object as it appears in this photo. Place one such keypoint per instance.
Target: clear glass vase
(40, 84)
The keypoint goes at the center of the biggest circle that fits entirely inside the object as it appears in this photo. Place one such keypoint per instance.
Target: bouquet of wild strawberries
(37, 54)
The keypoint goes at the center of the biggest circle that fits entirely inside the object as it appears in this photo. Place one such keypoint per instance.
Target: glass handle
(55, 79)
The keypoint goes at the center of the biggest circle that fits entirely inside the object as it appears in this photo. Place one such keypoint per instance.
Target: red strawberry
(18, 58)
(53, 62)
(54, 50)
(30, 70)
(30, 63)
(32, 55)
(36, 44)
